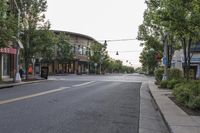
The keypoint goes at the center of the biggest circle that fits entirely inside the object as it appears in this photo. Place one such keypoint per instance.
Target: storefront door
(5, 65)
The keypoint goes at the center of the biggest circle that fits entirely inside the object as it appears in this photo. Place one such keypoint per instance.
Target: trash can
(44, 72)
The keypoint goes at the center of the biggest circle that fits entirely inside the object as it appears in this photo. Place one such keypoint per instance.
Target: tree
(99, 55)
(8, 24)
(32, 16)
(118, 66)
(47, 40)
(150, 33)
(95, 52)
(180, 19)
(65, 52)
(127, 69)
(184, 19)
(148, 60)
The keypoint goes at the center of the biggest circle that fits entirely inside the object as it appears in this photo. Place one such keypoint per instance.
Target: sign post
(95, 65)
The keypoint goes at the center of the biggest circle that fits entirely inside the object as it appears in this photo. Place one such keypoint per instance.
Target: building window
(79, 49)
(84, 50)
(73, 49)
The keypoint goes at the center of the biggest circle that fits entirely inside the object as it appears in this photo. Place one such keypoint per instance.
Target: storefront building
(80, 63)
(7, 62)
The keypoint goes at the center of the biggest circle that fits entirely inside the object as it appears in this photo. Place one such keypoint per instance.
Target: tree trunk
(0, 68)
(188, 58)
(185, 56)
(27, 54)
(26, 63)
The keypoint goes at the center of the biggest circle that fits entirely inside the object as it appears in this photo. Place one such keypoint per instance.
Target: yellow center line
(33, 95)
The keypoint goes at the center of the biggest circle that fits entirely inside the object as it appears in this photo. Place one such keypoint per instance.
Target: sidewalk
(11, 84)
(150, 118)
(175, 118)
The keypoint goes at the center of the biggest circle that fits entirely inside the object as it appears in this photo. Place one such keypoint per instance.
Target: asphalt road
(81, 104)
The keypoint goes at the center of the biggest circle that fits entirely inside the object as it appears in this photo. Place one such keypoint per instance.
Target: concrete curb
(175, 118)
(166, 123)
(3, 86)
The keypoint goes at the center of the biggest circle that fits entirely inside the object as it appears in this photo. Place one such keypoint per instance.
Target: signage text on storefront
(8, 50)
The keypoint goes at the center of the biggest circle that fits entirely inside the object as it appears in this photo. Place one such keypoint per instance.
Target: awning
(8, 50)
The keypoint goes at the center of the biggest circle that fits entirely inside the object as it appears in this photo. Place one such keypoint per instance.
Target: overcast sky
(102, 20)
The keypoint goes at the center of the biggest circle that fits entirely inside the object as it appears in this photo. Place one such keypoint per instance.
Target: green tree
(64, 53)
(148, 60)
(32, 16)
(95, 52)
(47, 40)
(183, 20)
(8, 24)
(99, 55)
(118, 66)
(180, 19)
(150, 34)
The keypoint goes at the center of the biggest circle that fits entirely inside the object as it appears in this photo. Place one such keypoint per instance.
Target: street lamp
(165, 56)
(17, 75)
(33, 62)
(105, 43)
(117, 53)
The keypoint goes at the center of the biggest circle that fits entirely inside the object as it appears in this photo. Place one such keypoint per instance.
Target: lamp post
(17, 75)
(88, 57)
(165, 56)
(101, 58)
(33, 61)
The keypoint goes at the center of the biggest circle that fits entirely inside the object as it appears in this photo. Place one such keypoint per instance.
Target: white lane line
(86, 83)
(33, 95)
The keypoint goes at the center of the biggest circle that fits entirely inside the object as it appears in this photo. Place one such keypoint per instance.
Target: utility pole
(100, 63)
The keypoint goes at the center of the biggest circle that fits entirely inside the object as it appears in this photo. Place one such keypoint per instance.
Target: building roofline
(76, 34)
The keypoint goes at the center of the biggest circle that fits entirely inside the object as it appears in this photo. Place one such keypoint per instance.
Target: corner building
(80, 64)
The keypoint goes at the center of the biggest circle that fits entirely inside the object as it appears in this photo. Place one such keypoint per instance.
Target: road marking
(86, 83)
(33, 95)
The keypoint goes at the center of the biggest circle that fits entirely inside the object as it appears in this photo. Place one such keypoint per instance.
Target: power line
(125, 51)
(117, 40)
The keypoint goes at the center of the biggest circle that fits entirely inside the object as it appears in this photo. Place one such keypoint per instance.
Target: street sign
(164, 60)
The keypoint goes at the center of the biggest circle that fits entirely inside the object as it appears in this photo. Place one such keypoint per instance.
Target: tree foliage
(47, 40)
(8, 24)
(64, 53)
(175, 22)
(34, 29)
(148, 60)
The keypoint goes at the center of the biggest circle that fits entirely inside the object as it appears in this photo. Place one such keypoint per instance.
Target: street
(73, 104)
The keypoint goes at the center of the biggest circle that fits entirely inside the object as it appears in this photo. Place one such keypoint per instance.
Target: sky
(102, 20)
